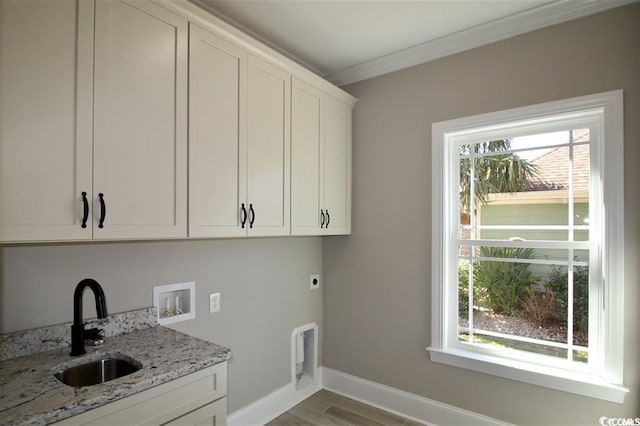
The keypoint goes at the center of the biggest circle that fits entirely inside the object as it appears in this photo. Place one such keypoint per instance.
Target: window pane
(581, 355)
(581, 306)
(557, 282)
(540, 140)
(520, 211)
(506, 343)
(527, 188)
(501, 284)
(546, 305)
(581, 221)
(581, 257)
(581, 176)
(524, 222)
(465, 200)
(463, 290)
(521, 299)
(465, 186)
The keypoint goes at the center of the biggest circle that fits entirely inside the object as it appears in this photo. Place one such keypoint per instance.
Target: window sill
(553, 378)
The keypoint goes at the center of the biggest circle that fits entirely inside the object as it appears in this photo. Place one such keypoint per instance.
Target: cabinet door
(307, 134)
(214, 414)
(217, 136)
(337, 167)
(140, 120)
(46, 77)
(268, 148)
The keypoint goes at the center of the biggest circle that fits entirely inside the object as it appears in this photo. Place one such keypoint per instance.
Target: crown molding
(500, 29)
(223, 17)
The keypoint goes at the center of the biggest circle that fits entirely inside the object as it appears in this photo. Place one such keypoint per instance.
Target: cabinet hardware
(85, 209)
(243, 216)
(103, 210)
(328, 220)
(253, 215)
(321, 218)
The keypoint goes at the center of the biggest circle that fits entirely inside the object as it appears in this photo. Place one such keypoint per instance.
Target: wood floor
(327, 408)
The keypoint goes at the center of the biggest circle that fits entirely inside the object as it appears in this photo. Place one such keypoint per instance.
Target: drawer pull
(103, 210)
(85, 210)
(253, 215)
(243, 215)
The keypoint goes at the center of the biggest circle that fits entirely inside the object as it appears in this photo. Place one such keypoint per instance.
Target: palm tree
(495, 170)
(494, 173)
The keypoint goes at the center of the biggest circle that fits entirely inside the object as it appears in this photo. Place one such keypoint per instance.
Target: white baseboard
(401, 403)
(271, 406)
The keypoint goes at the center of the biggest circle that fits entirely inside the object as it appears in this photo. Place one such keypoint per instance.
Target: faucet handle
(95, 335)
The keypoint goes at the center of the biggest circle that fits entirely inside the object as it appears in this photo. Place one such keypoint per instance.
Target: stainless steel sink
(99, 370)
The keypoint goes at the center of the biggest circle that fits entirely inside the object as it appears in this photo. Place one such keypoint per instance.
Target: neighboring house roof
(553, 169)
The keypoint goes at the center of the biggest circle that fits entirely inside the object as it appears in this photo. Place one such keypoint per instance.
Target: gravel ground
(486, 320)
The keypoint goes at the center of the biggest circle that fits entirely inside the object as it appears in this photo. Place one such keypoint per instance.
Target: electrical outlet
(314, 281)
(214, 303)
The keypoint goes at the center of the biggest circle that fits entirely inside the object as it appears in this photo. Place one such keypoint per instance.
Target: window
(527, 251)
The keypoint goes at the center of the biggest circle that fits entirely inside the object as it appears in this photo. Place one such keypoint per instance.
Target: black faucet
(77, 329)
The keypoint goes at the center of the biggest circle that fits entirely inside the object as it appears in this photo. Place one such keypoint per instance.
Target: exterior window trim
(608, 108)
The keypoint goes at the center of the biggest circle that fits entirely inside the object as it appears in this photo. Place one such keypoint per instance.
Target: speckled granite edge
(44, 339)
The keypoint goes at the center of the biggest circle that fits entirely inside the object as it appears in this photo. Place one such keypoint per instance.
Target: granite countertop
(30, 394)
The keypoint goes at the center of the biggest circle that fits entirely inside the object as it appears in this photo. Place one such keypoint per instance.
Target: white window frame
(604, 380)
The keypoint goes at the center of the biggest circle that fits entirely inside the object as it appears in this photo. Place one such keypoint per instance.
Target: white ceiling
(348, 40)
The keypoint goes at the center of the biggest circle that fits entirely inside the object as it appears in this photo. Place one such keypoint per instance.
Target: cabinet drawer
(214, 414)
(163, 403)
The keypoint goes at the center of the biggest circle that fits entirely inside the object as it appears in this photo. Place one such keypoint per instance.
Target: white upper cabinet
(268, 149)
(307, 158)
(152, 119)
(46, 73)
(320, 163)
(140, 121)
(217, 136)
(337, 167)
(239, 142)
(92, 151)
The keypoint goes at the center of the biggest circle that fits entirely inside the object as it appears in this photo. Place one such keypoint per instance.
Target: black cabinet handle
(243, 215)
(103, 210)
(253, 215)
(85, 210)
(321, 218)
(328, 220)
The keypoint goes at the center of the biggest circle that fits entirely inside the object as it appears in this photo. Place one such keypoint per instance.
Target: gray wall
(377, 292)
(264, 286)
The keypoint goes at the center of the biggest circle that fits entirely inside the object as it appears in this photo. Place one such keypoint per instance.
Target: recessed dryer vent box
(175, 302)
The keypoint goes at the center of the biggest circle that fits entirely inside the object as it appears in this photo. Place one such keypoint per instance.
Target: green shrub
(504, 284)
(559, 283)
(463, 288)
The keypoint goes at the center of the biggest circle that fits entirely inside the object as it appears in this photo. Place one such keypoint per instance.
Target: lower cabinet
(214, 414)
(196, 399)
